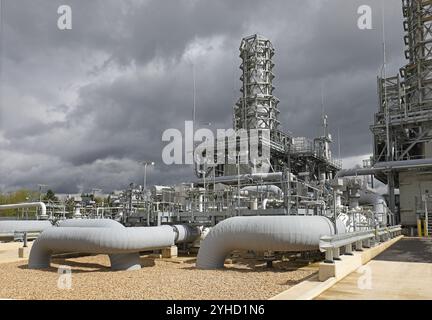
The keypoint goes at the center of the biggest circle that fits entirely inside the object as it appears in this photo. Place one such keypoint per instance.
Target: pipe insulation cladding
(122, 245)
(104, 237)
(261, 233)
(12, 226)
(90, 223)
(184, 233)
(386, 166)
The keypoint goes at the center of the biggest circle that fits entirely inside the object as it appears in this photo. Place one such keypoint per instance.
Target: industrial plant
(296, 204)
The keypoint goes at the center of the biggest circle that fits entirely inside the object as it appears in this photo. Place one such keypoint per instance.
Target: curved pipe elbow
(43, 208)
(25, 205)
(99, 241)
(261, 233)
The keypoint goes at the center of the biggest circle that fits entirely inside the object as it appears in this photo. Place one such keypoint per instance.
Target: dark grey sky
(80, 107)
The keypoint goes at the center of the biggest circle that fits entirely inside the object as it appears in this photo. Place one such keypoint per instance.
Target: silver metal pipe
(261, 233)
(12, 226)
(97, 236)
(274, 176)
(123, 245)
(186, 233)
(385, 166)
(26, 205)
(264, 188)
(90, 223)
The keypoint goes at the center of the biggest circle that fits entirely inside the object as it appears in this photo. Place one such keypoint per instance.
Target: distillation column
(257, 108)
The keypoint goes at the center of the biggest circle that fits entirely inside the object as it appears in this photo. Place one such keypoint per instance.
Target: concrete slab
(389, 280)
(409, 250)
(4, 246)
(9, 252)
(306, 290)
(404, 271)
(330, 274)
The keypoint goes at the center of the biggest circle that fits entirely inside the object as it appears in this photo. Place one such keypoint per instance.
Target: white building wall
(412, 186)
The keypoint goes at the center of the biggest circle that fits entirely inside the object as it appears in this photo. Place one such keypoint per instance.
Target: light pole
(146, 163)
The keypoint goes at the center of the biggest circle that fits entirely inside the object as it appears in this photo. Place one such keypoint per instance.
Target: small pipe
(264, 204)
(274, 176)
(12, 226)
(26, 205)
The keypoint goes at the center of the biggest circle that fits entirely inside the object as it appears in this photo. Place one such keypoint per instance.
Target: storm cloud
(80, 108)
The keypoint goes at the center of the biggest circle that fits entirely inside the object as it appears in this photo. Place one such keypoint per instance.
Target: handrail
(331, 244)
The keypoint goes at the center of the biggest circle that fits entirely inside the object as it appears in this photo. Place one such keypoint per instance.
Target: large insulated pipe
(183, 233)
(90, 223)
(261, 233)
(122, 246)
(266, 188)
(378, 202)
(25, 205)
(384, 166)
(97, 236)
(186, 233)
(371, 197)
(12, 226)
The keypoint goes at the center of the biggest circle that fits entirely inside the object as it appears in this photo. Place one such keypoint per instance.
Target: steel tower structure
(257, 108)
(405, 100)
(402, 126)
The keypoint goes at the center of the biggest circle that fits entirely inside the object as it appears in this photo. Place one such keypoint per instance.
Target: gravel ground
(158, 279)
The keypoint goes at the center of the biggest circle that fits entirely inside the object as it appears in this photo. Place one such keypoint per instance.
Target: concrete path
(404, 271)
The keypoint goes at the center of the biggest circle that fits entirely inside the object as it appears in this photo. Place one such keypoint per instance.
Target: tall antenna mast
(323, 116)
(194, 94)
(322, 99)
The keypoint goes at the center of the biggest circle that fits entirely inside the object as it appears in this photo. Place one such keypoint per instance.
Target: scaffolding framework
(402, 126)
